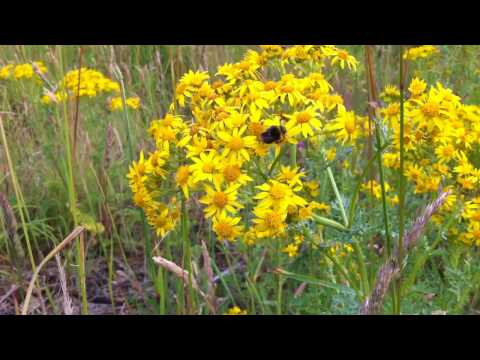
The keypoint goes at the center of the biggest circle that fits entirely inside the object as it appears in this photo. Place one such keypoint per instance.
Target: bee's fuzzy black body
(274, 134)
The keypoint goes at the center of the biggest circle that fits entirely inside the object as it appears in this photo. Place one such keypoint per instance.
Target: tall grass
(67, 163)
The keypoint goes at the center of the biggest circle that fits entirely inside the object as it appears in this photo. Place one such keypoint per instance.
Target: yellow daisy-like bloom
(313, 187)
(391, 113)
(116, 103)
(184, 180)
(269, 223)
(155, 162)
(236, 145)
(390, 93)
(138, 172)
(278, 196)
(391, 160)
(417, 87)
(194, 78)
(161, 219)
(420, 52)
(226, 228)
(205, 166)
(292, 177)
(291, 250)
(304, 122)
(306, 213)
(6, 71)
(345, 126)
(236, 311)
(199, 144)
(375, 188)
(288, 90)
(343, 57)
(221, 202)
(445, 152)
(231, 172)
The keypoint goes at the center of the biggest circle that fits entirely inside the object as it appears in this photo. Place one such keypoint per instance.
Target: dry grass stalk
(373, 304)
(67, 301)
(72, 236)
(179, 272)
(12, 290)
(211, 299)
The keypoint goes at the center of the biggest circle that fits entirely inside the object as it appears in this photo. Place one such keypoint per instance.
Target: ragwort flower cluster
(209, 146)
(441, 138)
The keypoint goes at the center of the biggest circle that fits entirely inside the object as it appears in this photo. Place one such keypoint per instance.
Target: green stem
(293, 155)
(362, 266)
(384, 198)
(328, 222)
(72, 194)
(401, 205)
(337, 195)
(275, 162)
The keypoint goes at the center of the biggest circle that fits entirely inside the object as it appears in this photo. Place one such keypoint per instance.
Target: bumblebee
(274, 134)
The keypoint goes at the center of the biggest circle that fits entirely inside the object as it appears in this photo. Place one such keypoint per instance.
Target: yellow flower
(226, 228)
(345, 126)
(269, 223)
(221, 202)
(231, 172)
(184, 180)
(205, 166)
(304, 122)
(292, 177)
(420, 52)
(331, 154)
(194, 79)
(199, 145)
(116, 103)
(445, 152)
(161, 218)
(23, 71)
(236, 145)
(291, 250)
(417, 87)
(236, 311)
(340, 56)
(6, 71)
(313, 187)
(138, 172)
(390, 93)
(278, 196)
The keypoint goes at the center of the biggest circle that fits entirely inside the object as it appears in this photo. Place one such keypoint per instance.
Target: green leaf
(311, 280)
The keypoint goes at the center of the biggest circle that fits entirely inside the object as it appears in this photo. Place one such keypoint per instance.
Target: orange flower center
(220, 199)
(208, 167)
(303, 117)
(236, 143)
(343, 55)
(287, 88)
(430, 110)
(182, 175)
(273, 220)
(231, 172)
(224, 230)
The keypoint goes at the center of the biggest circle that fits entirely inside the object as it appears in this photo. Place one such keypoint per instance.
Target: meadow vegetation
(312, 179)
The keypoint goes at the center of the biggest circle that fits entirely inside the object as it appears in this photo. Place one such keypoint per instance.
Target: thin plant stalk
(293, 155)
(362, 266)
(337, 195)
(71, 191)
(401, 205)
(18, 195)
